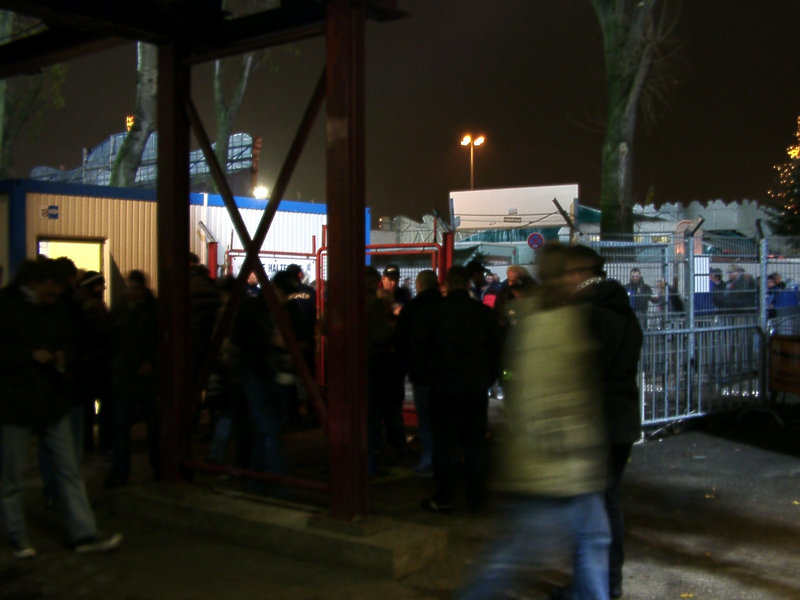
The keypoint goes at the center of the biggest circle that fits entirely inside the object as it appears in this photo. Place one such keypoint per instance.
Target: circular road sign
(536, 240)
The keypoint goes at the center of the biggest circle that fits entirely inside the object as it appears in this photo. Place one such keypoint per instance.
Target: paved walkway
(711, 516)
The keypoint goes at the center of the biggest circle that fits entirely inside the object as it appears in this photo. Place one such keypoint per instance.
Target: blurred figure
(35, 345)
(616, 329)
(552, 463)
(461, 344)
(134, 335)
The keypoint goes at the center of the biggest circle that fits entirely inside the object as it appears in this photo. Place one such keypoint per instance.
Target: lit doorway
(88, 255)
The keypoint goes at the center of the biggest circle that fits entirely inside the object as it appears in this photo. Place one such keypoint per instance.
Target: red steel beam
(346, 296)
(172, 211)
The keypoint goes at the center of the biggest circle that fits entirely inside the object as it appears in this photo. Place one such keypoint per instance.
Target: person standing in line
(35, 345)
(476, 272)
(134, 336)
(462, 344)
(427, 298)
(640, 295)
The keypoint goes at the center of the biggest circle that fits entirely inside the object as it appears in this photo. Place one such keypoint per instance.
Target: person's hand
(43, 356)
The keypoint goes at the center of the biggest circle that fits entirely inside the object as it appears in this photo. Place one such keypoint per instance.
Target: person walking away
(552, 459)
(615, 327)
(34, 348)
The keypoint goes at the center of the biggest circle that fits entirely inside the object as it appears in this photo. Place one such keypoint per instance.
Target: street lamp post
(468, 140)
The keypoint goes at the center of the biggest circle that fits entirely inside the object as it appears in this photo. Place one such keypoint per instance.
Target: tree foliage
(634, 32)
(786, 193)
(25, 97)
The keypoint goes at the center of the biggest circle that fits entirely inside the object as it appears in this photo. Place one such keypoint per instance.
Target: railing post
(763, 255)
(690, 342)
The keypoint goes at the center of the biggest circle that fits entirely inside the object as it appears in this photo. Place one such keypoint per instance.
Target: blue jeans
(266, 401)
(422, 397)
(56, 439)
(50, 487)
(539, 529)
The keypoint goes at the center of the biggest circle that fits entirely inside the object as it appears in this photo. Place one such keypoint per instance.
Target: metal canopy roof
(72, 29)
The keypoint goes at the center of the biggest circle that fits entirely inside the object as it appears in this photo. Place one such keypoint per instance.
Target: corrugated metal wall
(127, 227)
(128, 230)
(290, 231)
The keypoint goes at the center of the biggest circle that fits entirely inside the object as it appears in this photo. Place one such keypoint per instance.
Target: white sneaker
(22, 550)
(98, 544)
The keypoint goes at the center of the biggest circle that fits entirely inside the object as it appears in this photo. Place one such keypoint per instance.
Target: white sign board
(511, 208)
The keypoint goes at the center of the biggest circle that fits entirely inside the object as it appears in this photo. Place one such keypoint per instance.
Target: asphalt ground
(712, 508)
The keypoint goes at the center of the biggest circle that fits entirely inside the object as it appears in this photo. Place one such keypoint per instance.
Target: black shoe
(430, 505)
(615, 590)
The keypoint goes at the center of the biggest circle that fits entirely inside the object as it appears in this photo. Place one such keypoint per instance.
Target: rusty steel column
(347, 406)
(175, 385)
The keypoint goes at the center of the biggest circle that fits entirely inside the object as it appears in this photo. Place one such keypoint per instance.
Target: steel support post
(691, 362)
(175, 385)
(346, 317)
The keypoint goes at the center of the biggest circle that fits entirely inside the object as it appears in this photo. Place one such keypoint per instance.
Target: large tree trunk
(629, 39)
(6, 19)
(129, 157)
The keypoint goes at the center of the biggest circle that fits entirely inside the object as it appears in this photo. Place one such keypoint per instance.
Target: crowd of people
(565, 347)
(67, 350)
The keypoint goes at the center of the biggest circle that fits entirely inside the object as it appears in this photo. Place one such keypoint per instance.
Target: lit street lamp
(467, 140)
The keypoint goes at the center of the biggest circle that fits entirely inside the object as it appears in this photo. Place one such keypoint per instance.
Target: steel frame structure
(189, 32)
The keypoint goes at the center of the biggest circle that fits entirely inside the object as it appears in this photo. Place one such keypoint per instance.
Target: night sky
(526, 73)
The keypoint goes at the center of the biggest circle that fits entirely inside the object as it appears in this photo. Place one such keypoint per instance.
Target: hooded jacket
(616, 328)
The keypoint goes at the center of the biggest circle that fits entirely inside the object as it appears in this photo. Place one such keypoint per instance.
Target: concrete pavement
(713, 514)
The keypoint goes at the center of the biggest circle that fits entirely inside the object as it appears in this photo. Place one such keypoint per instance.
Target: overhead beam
(30, 55)
(141, 20)
(260, 30)
(81, 27)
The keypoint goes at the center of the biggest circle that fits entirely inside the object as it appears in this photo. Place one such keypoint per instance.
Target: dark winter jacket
(134, 339)
(31, 394)
(407, 330)
(616, 327)
(461, 345)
